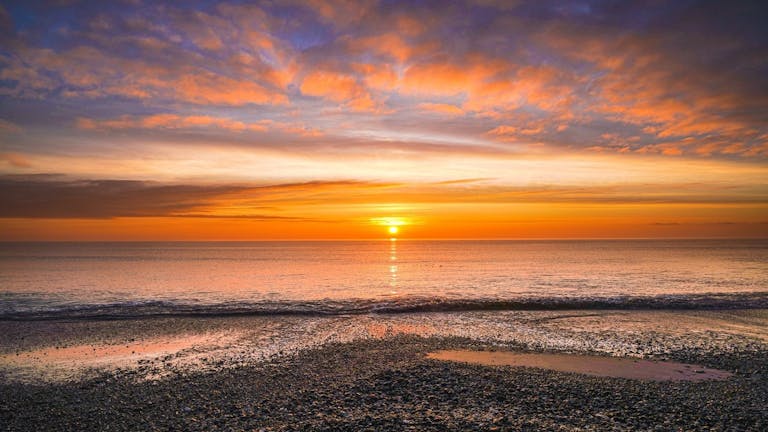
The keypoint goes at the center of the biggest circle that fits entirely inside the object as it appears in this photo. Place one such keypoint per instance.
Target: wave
(154, 308)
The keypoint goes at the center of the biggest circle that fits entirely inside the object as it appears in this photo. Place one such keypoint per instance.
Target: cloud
(252, 67)
(340, 88)
(557, 77)
(6, 24)
(170, 121)
(90, 73)
(668, 149)
(440, 108)
(7, 127)
(447, 78)
(49, 196)
(98, 199)
(208, 88)
(340, 13)
(16, 160)
(392, 46)
(377, 76)
(464, 181)
(173, 122)
(515, 133)
(671, 83)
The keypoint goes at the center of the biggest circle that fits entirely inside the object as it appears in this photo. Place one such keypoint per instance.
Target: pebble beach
(375, 373)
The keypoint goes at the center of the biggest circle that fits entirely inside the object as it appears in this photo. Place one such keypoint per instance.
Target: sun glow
(390, 221)
(393, 224)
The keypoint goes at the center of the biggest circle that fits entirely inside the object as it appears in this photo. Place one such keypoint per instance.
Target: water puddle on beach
(588, 365)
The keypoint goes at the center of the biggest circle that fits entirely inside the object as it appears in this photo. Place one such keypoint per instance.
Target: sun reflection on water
(393, 265)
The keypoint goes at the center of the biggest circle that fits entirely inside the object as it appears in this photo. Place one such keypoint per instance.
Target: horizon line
(389, 239)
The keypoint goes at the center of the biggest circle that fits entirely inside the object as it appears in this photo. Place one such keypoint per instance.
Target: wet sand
(66, 362)
(373, 372)
(61, 350)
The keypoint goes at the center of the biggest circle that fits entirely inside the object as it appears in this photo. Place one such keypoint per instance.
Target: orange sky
(352, 211)
(319, 119)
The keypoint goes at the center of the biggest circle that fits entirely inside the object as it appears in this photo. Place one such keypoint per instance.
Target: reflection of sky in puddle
(588, 365)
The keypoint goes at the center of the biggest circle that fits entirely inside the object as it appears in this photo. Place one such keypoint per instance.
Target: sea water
(87, 280)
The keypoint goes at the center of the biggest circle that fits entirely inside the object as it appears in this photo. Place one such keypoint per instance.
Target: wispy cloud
(16, 160)
(53, 196)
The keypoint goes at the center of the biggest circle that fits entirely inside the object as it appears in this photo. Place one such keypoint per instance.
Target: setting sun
(393, 230)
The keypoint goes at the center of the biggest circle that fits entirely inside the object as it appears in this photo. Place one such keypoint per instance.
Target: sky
(335, 119)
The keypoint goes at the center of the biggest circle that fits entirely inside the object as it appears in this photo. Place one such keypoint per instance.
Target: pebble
(388, 385)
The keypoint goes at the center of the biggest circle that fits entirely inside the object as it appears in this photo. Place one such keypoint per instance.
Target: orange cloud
(90, 72)
(340, 88)
(340, 12)
(312, 209)
(638, 84)
(215, 89)
(391, 45)
(168, 121)
(447, 78)
(176, 121)
(510, 132)
(668, 149)
(489, 84)
(377, 76)
(545, 87)
(410, 26)
(555, 80)
(447, 109)
(16, 160)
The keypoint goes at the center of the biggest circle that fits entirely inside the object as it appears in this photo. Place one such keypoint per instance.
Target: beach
(385, 335)
(374, 372)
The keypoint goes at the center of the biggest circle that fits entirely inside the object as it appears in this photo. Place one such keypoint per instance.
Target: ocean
(123, 280)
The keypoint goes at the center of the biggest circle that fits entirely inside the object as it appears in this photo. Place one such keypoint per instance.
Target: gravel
(387, 384)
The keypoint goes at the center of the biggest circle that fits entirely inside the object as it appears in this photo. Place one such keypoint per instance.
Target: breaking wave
(154, 308)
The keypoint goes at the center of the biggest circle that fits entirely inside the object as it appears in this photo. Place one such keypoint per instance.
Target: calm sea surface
(39, 280)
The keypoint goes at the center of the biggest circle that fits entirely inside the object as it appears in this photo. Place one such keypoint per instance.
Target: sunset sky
(337, 119)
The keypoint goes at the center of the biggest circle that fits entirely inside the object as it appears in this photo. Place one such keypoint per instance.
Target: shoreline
(358, 373)
(706, 301)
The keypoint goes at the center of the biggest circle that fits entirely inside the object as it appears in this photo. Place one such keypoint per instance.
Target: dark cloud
(54, 196)
(42, 198)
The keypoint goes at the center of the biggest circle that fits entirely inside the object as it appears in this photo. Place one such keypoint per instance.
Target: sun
(392, 224)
